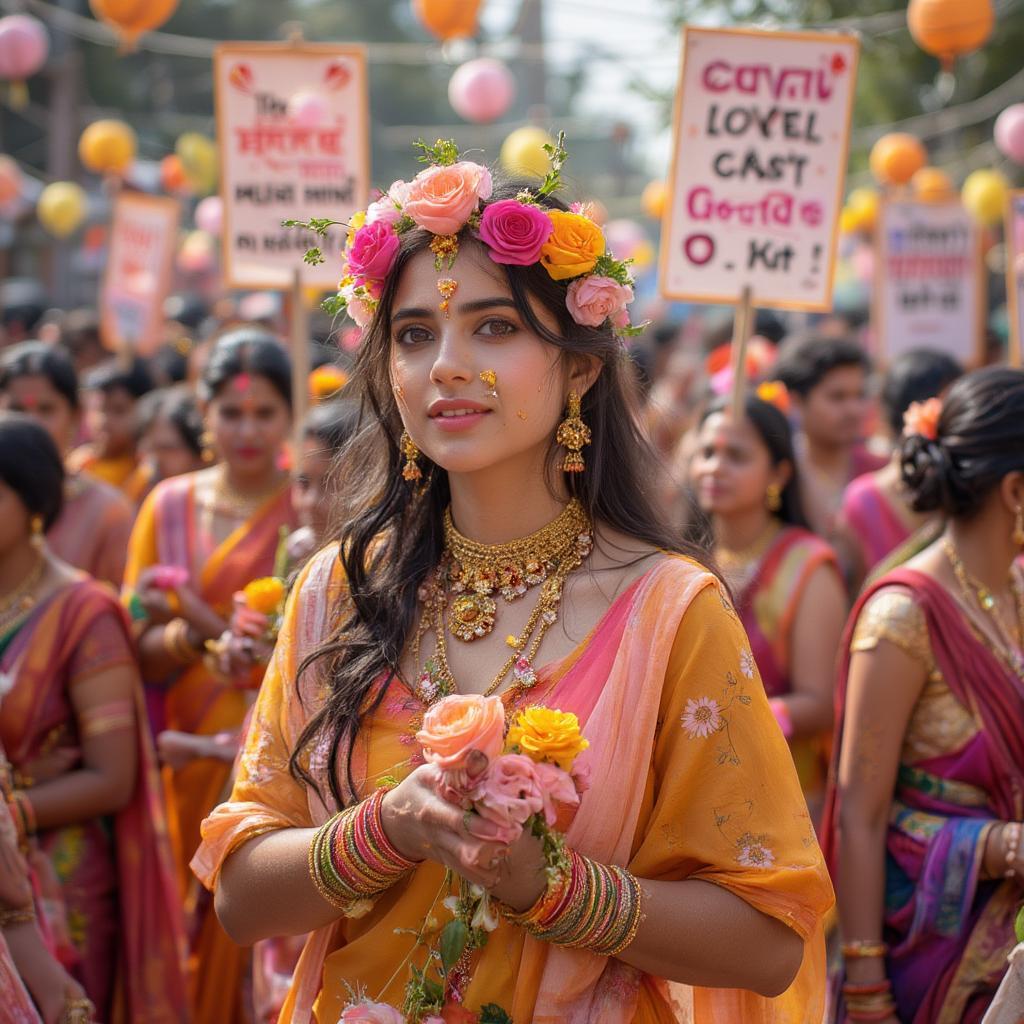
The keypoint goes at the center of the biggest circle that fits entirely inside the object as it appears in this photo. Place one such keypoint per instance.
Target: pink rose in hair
(441, 199)
(387, 206)
(358, 308)
(514, 232)
(370, 1013)
(373, 251)
(592, 300)
(621, 318)
(510, 794)
(556, 787)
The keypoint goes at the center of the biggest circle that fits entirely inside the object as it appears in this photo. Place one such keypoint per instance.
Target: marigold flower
(264, 595)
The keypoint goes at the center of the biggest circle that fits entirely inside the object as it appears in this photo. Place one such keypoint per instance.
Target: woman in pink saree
(692, 793)
(213, 532)
(924, 822)
(72, 726)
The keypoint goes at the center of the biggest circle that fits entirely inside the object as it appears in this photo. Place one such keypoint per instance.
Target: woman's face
(164, 446)
(14, 520)
(437, 360)
(311, 495)
(37, 397)
(110, 421)
(249, 420)
(732, 469)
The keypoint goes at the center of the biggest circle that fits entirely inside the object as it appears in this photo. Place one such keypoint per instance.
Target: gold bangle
(20, 915)
(863, 949)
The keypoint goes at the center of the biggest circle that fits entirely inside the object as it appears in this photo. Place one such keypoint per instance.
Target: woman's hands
(163, 604)
(423, 825)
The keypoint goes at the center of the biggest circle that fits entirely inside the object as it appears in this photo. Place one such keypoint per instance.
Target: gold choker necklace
(476, 571)
(471, 572)
(740, 558)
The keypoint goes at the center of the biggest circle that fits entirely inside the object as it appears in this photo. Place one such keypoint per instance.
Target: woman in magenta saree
(115, 873)
(923, 821)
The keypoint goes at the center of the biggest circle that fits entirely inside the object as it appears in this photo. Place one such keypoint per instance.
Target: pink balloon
(307, 109)
(624, 237)
(1009, 133)
(196, 255)
(210, 215)
(481, 90)
(24, 46)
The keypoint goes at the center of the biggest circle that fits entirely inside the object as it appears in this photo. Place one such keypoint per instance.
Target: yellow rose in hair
(357, 221)
(546, 734)
(264, 595)
(574, 245)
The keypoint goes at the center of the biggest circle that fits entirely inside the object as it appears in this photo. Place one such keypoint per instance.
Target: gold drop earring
(1018, 526)
(573, 434)
(207, 451)
(38, 538)
(773, 497)
(411, 470)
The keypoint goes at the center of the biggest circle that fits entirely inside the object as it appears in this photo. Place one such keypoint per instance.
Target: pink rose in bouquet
(168, 577)
(370, 1013)
(460, 724)
(556, 787)
(509, 794)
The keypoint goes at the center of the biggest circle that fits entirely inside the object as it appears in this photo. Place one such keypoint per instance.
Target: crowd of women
(169, 771)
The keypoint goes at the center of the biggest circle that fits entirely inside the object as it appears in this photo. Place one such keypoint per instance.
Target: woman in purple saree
(923, 821)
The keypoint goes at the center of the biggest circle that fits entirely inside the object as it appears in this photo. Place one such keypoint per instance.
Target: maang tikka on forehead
(445, 248)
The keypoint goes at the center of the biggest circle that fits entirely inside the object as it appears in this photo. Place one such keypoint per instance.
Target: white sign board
(761, 131)
(929, 289)
(293, 133)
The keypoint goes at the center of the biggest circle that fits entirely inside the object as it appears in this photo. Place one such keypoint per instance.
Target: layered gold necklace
(458, 596)
(16, 605)
(739, 564)
(972, 590)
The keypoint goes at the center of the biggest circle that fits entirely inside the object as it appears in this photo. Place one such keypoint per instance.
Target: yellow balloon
(61, 208)
(849, 221)
(107, 147)
(984, 195)
(522, 152)
(199, 158)
(864, 203)
(643, 255)
(653, 199)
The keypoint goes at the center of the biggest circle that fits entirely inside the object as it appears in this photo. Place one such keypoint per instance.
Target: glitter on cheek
(490, 380)
(521, 413)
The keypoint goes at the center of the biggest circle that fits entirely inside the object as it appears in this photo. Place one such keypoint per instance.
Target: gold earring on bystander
(573, 434)
(207, 452)
(1018, 526)
(410, 471)
(38, 538)
(773, 498)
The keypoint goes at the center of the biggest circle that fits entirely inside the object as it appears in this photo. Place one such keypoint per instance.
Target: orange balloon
(896, 158)
(130, 18)
(653, 199)
(948, 29)
(931, 185)
(172, 174)
(107, 147)
(448, 19)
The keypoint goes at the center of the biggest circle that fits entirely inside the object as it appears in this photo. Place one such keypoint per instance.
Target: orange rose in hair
(574, 247)
(923, 418)
(456, 726)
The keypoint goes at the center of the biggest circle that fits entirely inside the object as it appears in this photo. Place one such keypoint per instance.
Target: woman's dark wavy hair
(775, 432)
(980, 440)
(176, 404)
(391, 534)
(37, 359)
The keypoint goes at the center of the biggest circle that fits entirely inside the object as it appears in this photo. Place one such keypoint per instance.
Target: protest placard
(140, 263)
(1014, 236)
(929, 284)
(292, 130)
(761, 134)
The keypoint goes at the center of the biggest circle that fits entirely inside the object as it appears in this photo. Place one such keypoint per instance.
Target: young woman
(170, 436)
(91, 533)
(924, 825)
(213, 531)
(875, 518)
(73, 729)
(691, 782)
(786, 581)
(111, 395)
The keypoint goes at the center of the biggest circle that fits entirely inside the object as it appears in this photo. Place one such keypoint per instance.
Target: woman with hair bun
(786, 581)
(923, 826)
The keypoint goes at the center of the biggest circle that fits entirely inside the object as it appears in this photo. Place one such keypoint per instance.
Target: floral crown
(774, 392)
(444, 198)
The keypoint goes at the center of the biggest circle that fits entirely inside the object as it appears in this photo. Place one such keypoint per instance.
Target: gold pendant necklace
(21, 600)
(476, 571)
(436, 679)
(739, 560)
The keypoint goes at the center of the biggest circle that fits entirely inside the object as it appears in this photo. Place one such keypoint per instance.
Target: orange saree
(167, 533)
(113, 875)
(682, 741)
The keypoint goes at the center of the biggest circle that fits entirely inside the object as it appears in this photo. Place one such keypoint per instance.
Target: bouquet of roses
(516, 781)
